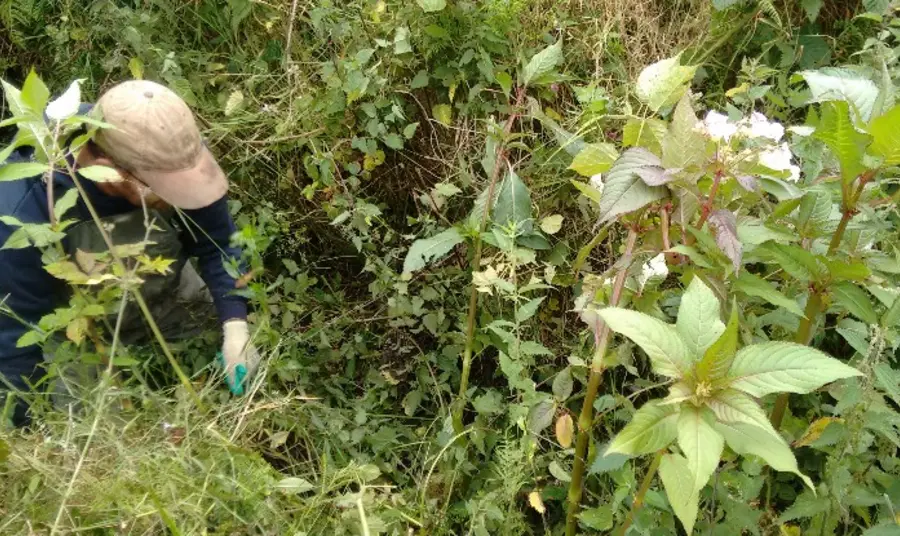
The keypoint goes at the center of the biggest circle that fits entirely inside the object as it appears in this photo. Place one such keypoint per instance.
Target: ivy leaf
(542, 63)
(661, 84)
(594, 158)
(678, 481)
(513, 203)
(683, 146)
(734, 407)
(744, 438)
(843, 85)
(18, 171)
(724, 224)
(885, 131)
(753, 285)
(855, 300)
(698, 323)
(668, 354)
(776, 367)
(425, 250)
(432, 6)
(623, 190)
(701, 444)
(837, 131)
(717, 360)
(651, 428)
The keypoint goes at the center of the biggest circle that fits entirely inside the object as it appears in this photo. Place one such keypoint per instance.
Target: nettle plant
(713, 400)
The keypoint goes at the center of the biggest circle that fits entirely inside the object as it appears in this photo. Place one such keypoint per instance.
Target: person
(166, 171)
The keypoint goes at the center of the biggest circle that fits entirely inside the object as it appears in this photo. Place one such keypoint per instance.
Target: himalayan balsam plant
(712, 402)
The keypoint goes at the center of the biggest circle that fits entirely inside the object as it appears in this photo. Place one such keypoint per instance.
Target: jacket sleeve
(208, 237)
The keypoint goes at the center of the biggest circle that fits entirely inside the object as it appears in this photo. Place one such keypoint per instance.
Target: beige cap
(156, 139)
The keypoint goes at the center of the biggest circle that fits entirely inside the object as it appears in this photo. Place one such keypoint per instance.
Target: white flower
(654, 268)
(718, 127)
(597, 182)
(802, 130)
(66, 105)
(761, 127)
(780, 158)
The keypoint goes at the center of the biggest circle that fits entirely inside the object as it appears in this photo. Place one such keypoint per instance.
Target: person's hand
(238, 357)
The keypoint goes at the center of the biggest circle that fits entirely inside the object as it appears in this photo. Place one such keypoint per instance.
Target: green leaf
(889, 380)
(812, 8)
(540, 416)
(65, 203)
(717, 360)
(30, 338)
(892, 316)
(807, 504)
(695, 256)
(651, 428)
(594, 158)
(513, 203)
(425, 250)
(855, 300)
(505, 81)
(678, 481)
(663, 83)
(668, 354)
(443, 114)
(432, 6)
(240, 9)
(420, 80)
(35, 93)
(623, 190)
(843, 85)
(724, 225)
(837, 131)
(563, 384)
(699, 323)
(394, 141)
(597, 518)
(683, 146)
(701, 444)
(744, 438)
(18, 171)
(606, 461)
(647, 133)
(542, 63)
(100, 174)
(776, 367)
(752, 285)
(885, 131)
(588, 191)
(796, 261)
(734, 407)
(525, 312)
(852, 271)
(551, 224)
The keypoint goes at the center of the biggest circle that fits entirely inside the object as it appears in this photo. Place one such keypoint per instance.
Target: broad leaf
(885, 131)
(837, 84)
(542, 63)
(683, 146)
(431, 6)
(513, 203)
(717, 360)
(425, 250)
(18, 171)
(664, 82)
(594, 158)
(699, 323)
(734, 407)
(724, 224)
(796, 261)
(669, 355)
(678, 480)
(623, 190)
(652, 427)
(100, 174)
(837, 131)
(752, 285)
(856, 300)
(65, 203)
(701, 444)
(646, 133)
(776, 367)
(565, 428)
(745, 439)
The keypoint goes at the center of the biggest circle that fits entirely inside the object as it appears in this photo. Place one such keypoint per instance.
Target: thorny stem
(457, 412)
(639, 497)
(586, 417)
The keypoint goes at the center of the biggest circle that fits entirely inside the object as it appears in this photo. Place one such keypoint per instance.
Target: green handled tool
(235, 384)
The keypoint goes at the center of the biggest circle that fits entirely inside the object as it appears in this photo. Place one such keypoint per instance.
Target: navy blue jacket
(31, 292)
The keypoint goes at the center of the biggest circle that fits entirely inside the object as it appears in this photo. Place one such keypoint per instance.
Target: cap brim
(191, 188)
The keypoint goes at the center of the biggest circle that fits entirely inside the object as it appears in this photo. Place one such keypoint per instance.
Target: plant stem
(499, 158)
(707, 206)
(586, 417)
(639, 497)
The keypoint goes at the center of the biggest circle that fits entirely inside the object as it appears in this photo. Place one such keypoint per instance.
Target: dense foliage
(491, 247)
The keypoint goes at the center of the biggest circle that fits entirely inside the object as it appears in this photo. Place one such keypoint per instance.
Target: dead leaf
(534, 499)
(565, 428)
(815, 431)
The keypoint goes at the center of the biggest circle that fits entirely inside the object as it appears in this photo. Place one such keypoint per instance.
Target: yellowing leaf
(534, 499)
(815, 431)
(100, 174)
(664, 82)
(564, 430)
(443, 114)
(594, 158)
(76, 330)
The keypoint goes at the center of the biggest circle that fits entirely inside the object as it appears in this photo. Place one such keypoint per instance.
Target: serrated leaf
(100, 174)
(65, 203)
(525, 312)
(855, 300)
(815, 430)
(776, 367)
(717, 360)
(540, 416)
(589, 191)
(513, 203)
(18, 171)
(432, 6)
(542, 63)
(724, 225)
(836, 130)
(733, 406)
(668, 354)
(745, 439)
(563, 384)
(701, 444)
(889, 380)
(565, 428)
(598, 518)
(646, 133)
(812, 8)
(699, 323)
(683, 146)
(851, 271)
(661, 84)
(594, 158)
(844, 85)
(678, 482)
(797, 262)
(426, 250)
(885, 131)
(752, 285)
(807, 504)
(651, 428)
(695, 256)
(623, 190)
(606, 461)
